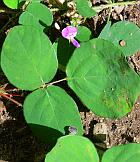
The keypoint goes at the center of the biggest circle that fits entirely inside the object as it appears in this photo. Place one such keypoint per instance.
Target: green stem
(101, 7)
(110, 10)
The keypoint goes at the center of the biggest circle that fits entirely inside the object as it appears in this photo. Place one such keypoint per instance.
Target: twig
(14, 101)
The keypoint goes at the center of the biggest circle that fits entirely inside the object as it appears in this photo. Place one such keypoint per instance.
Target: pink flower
(69, 33)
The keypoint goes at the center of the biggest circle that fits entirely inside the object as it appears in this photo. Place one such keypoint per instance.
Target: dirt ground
(17, 143)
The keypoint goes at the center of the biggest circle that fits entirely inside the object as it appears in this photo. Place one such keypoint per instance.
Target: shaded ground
(17, 144)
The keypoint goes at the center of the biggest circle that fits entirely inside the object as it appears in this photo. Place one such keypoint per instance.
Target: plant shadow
(46, 134)
(18, 144)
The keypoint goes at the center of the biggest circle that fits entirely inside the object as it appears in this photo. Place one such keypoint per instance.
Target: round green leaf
(84, 8)
(124, 153)
(50, 111)
(36, 14)
(125, 35)
(73, 149)
(99, 74)
(11, 3)
(28, 59)
(83, 33)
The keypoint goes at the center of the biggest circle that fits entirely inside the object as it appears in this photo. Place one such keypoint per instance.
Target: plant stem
(9, 98)
(101, 7)
(109, 14)
(110, 10)
(58, 81)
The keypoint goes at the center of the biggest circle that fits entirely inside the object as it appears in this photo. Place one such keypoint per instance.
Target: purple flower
(69, 33)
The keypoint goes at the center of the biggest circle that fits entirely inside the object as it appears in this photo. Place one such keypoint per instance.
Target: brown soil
(107, 132)
(17, 143)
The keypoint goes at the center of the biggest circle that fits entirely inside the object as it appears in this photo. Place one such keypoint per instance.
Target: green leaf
(105, 32)
(50, 111)
(13, 4)
(124, 153)
(64, 51)
(83, 34)
(99, 74)
(73, 149)
(84, 8)
(28, 59)
(37, 15)
(125, 35)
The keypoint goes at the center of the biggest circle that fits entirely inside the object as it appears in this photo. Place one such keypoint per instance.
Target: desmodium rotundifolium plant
(96, 69)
